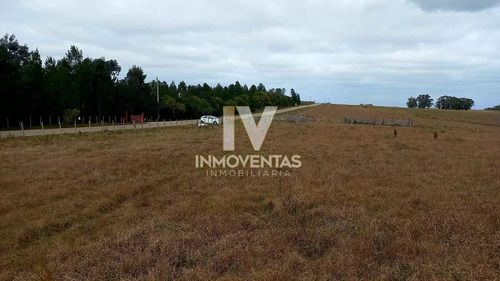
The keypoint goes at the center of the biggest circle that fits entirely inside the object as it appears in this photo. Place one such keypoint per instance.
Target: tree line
(443, 102)
(74, 85)
(496, 107)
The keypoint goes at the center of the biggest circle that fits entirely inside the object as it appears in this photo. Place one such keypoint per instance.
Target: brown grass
(364, 205)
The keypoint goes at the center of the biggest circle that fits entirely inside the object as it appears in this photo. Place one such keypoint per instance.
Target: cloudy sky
(347, 51)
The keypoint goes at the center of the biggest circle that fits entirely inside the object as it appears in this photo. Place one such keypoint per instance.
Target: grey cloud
(365, 51)
(456, 5)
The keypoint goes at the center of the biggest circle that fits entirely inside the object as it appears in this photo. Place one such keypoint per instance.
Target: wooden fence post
(22, 128)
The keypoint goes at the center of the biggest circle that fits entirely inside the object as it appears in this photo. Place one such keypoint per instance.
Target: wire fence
(35, 122)
(375, 121)
(90, 127)
(78, 127)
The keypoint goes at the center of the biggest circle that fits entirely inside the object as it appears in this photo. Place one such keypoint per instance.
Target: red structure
(137, 118)
(125, 120)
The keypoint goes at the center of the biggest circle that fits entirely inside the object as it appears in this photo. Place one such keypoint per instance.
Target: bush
(69, 115)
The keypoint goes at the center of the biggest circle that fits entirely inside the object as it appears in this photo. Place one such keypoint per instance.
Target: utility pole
(158, 98)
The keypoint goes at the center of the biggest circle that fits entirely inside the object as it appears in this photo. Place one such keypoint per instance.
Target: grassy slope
(131, 205)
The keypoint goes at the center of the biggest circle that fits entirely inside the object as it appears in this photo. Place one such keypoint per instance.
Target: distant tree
(17, 53)
(238, 101)
(424, 101)
(206, 91)
(261, 88)
(138, 95)
(497, 107)
(74, 57)
(295, 97)
(51, 100)
(182, 88)
(261, 99)
(253, 89)
(172, 89)
(448, 102)
(171, 107)
(466, 104)
(412, 102)
(32, 86)
(217, 105)
(238, 89)
(13, 57)
(135, 76)
(104, 77)
(114, 69)
(196, 107)
(443, 102)
(218, 91)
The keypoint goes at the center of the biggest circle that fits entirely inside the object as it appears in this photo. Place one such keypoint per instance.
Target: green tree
(196, 107)
(171, 108)
(412, 102)
(114, 69)
(253, 89)
(261, 99)
(32, 87)
(295, 97)
(424, 101)
(448, 102)
(51, 100)
(497, 107)
(13, 57)
(172, 89)
(182, 89)
(261, 88)
(138, 95)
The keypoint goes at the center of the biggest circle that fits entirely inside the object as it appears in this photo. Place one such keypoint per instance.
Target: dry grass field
(363, 206)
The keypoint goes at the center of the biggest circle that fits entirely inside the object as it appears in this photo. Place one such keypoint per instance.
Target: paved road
(39, 132)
